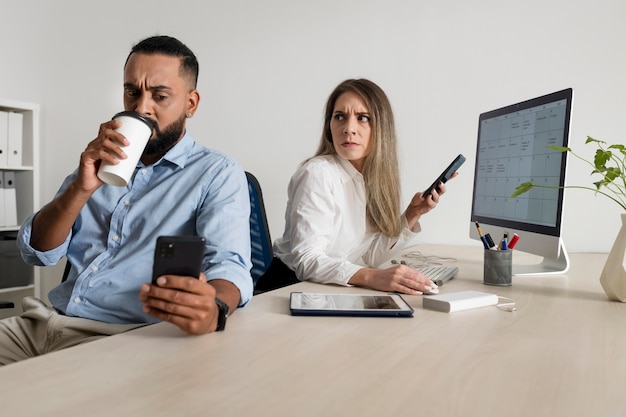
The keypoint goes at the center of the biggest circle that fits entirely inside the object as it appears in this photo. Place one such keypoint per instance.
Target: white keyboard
(438, 274)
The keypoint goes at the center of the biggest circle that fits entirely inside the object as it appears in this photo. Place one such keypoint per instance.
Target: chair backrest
(261, 242)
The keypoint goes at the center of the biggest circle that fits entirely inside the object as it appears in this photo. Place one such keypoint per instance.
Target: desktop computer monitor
(513, 148)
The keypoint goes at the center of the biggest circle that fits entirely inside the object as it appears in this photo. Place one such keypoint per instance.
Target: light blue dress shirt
(192, 190)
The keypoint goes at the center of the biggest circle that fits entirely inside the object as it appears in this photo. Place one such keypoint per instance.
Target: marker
(513, 241)
(489, 240)
(482, 237)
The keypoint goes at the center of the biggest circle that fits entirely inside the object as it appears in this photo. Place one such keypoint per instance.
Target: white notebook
(458, 301)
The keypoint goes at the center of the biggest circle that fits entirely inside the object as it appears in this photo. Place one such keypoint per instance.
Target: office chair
(261, 242)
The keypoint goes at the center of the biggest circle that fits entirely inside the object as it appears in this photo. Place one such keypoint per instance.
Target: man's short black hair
(167, 45)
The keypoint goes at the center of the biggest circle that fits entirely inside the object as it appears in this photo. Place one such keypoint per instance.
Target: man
(108, 233)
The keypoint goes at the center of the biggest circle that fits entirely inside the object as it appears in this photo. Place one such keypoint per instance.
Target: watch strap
(223, 309)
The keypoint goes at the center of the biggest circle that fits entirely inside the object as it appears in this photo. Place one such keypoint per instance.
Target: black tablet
(372, 305)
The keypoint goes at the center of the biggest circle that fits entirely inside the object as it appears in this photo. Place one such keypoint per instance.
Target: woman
(343, 214)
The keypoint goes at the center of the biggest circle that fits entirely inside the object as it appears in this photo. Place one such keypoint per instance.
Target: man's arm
(53, 222)
(227, 292)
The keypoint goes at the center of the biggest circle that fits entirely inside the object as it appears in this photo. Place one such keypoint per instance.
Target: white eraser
(458, 301)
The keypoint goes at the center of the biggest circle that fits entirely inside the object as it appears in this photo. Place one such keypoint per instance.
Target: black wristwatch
(222, 315)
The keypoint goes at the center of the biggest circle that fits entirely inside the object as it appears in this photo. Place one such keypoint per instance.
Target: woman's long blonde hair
(380, 170)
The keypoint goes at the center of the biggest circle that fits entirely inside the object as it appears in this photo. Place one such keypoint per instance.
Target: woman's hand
(399, 278)
(422, 204)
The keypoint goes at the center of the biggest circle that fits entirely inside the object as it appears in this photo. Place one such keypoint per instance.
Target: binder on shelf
(10, 199)
(14, 157)
(4, 138)
(2, 210)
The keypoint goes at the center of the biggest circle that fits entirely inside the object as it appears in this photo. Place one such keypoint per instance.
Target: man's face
(154, 88)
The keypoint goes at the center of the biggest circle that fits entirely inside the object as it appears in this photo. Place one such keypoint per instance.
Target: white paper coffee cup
(137, 129)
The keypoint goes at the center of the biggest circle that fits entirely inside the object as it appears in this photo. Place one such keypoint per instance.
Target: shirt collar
(349, 169)
(180, 152)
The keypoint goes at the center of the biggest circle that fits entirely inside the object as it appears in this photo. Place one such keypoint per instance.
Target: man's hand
(187, 302)
(99, 150)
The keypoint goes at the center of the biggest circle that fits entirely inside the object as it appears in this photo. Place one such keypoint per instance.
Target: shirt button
(77, 300)
(144, 171)
(94, 268)
(115, 238)
(126, 202)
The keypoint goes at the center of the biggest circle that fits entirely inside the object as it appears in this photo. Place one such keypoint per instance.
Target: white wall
(267, 67)
(21, 35)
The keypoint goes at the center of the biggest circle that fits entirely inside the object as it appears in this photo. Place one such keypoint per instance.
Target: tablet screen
(349, 304)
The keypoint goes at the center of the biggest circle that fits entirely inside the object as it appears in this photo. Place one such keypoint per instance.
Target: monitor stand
(548, 266)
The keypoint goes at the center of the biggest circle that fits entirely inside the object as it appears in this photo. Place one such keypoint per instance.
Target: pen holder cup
(497, 268)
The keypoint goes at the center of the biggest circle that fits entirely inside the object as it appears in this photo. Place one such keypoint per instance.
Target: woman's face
(351, 130)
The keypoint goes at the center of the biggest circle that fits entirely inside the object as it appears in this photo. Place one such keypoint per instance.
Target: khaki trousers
(41, 329)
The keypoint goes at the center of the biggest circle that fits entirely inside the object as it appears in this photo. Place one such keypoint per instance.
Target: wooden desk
(560, 354)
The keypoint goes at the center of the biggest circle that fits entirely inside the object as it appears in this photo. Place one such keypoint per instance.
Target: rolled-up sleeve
(34, 257)
(224, 220)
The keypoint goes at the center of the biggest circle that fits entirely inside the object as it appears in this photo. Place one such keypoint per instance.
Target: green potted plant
(609, 166)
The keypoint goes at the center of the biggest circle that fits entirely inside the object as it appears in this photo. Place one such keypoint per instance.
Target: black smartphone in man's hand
(178, 255)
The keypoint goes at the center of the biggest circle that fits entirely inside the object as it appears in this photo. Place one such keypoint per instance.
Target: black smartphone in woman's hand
(445, 175)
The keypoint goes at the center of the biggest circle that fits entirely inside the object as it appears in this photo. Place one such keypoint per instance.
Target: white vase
(613, 278)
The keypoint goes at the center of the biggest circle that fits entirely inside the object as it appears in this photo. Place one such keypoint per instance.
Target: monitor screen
(514, 147)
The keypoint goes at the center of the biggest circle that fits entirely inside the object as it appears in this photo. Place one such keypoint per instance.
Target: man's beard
(165, 139)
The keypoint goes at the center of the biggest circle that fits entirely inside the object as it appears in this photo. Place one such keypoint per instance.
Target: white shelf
(26, 181)
(12, 289)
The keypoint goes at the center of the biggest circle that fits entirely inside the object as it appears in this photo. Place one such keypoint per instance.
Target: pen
(482, 237)
(503, 246)
(513, 241)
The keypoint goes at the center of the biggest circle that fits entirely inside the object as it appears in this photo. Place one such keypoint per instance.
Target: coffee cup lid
(135, 115)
